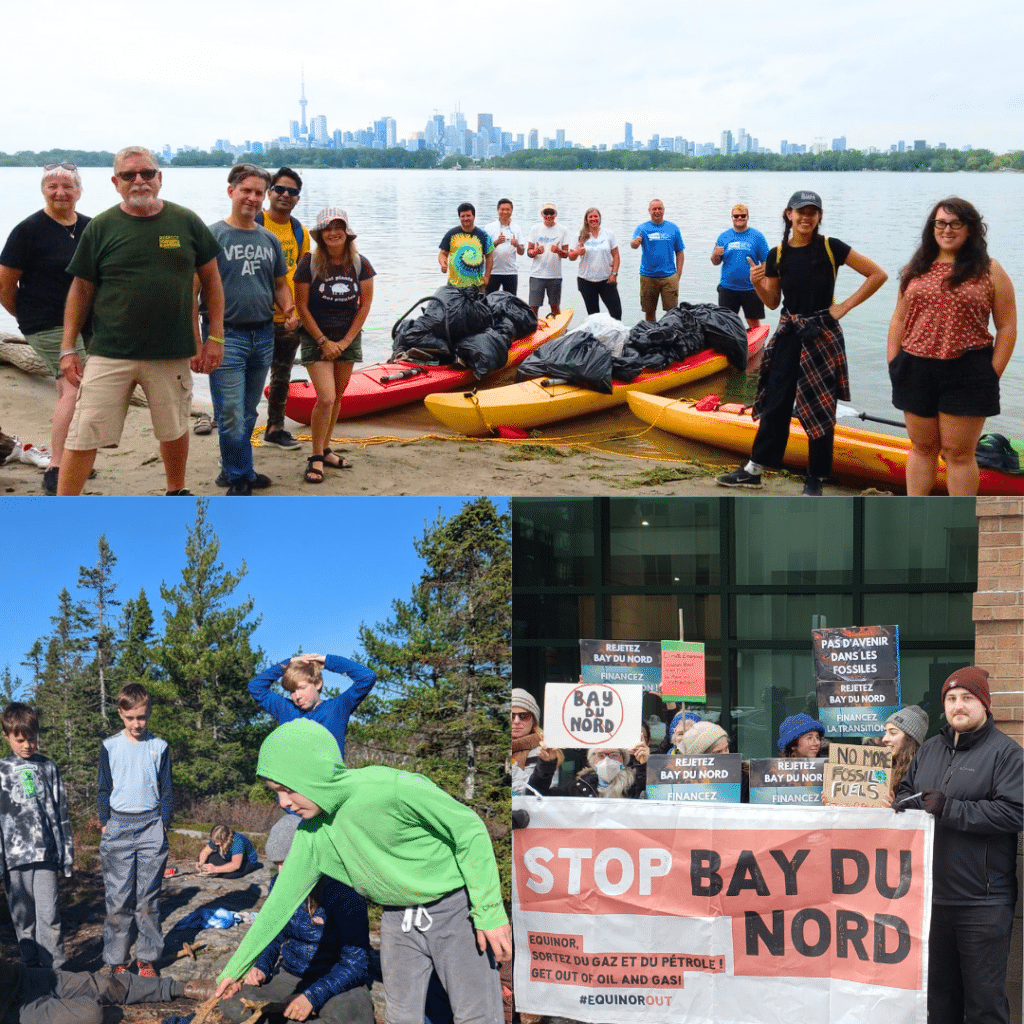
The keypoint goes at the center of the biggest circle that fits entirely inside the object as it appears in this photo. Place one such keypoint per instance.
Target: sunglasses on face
(521, 716)
(548, 213)
(739, 216)
(285, 190)
(148, 174)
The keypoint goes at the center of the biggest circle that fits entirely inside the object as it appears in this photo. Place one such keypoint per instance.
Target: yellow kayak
(858, 454)
(532, 404)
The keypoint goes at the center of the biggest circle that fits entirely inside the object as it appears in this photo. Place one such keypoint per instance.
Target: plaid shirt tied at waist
(824, 374)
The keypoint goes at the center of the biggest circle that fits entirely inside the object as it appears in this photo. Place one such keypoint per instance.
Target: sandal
(314, 475)
(204, 425)
(342, 462)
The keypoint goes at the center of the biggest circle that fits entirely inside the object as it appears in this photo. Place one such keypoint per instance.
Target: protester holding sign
(800, 736)
(528, 750)
(904, 733)
(673, 743)
(970, 777)
(607, 774)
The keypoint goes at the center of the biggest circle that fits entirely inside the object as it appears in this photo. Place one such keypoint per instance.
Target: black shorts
(965, 386)
(749, 302)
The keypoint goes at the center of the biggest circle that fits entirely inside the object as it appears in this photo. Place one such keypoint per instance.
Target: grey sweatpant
(438, 936)
(352, 1007)
(133, 852)
(32, 898)
(59, 997)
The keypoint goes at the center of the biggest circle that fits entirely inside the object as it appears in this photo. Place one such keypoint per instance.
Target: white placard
(592, 714)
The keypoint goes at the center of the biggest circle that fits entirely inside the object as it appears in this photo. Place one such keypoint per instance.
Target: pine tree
(99, 579)
(201, 706)
(136, 637)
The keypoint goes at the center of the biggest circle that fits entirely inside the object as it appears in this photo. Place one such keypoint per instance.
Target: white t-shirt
(548, 264)
(504, 254)
(596, 262)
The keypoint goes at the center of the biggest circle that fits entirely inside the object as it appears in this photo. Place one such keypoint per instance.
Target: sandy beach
(404, 451)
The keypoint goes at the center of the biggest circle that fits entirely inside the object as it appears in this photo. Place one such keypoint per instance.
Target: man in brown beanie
(971, 778)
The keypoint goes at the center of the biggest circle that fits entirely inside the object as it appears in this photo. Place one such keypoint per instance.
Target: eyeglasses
(66, 164)
(285, 190)
(548, 213)
(953, 225)
(147, 174)
(739, 216)
(521, 716)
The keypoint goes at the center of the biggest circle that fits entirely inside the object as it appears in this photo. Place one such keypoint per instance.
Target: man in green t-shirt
(467, 253)
(134, 268)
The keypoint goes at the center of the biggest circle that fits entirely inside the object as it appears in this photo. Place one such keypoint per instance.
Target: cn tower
(302, 101)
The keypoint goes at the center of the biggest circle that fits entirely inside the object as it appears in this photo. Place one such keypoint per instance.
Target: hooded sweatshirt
(391, 835)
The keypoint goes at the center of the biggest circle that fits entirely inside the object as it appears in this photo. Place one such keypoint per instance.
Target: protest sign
(857, 776)
(592, 715)
(786, 780)
(706, 778)
(618, 661)
(651, 912)
(857, 674)
(682, 671)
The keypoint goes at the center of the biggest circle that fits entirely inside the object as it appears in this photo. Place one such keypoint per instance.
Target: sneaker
(199, 989)
(222, 479)
(240, 489)
(183, 492)
(812, 487)
(281, 439)
(119, 969)
(50, 480)
(261, 483)
(740, 478)
(34, 456)
(144, 969)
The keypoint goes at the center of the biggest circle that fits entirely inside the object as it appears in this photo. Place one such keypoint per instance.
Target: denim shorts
(309, 350)
(965, 386)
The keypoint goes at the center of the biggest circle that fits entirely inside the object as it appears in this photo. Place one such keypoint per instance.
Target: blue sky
(317, 568)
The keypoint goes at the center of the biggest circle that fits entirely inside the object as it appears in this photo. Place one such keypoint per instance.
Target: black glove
(520, 819)
(933, 801)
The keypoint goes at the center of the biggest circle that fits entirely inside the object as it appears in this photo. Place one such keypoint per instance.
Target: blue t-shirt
(738, 245)
(659, 245)
(239, 844)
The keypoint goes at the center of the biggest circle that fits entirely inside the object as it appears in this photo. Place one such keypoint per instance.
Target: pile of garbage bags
(463, 327)
(602, 350)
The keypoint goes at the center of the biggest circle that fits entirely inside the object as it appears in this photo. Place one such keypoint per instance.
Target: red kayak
(385, 385)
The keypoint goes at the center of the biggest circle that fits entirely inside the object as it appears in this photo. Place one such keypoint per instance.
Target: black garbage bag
(628, 366)
(422, 338)
(723, 331)
(651, 337)
(509, 307)
(485, 352)
(688, 335)
(576, 358)
(465, 312)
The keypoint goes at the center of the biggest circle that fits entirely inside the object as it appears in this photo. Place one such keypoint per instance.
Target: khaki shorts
(107, 385)
(652, 287)
(46, 345)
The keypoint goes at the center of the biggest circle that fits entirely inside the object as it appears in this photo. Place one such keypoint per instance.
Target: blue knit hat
(691, 716)
(795, 726)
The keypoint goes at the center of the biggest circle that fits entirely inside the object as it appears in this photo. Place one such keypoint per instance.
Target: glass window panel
(657, 616)
(917, 540)
(539, 665)
(923, 616)
(553, 542)
(658, 542)
(787, 541)
(552, 616)
(789, 616)
(770, 686)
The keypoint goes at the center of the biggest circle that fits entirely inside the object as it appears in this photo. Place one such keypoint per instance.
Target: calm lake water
(400, 217)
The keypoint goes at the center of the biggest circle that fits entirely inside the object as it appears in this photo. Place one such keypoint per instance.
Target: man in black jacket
(971, 778)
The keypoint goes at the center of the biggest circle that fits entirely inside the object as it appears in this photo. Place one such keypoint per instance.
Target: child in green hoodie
(402, 842)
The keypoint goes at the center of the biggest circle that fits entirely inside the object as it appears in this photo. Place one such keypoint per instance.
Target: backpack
(996, 452)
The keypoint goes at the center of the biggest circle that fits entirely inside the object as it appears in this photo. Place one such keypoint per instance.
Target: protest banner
(652, 912)
(592, 715)
(706, 778)
(682, 671)
(617, 661)
(857, 675)
(786, 780)
(857, 776)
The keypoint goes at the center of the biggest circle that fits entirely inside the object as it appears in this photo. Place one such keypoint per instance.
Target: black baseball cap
(798, 199)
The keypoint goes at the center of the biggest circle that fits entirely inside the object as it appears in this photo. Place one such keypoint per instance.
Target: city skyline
(793, 70)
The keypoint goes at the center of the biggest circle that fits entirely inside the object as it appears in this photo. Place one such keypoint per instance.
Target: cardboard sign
(857, 776)
(786, 780)
(682, 671)
(618, 661)
(656, 913)
(592, 715)
(857, 675)
(703, 778)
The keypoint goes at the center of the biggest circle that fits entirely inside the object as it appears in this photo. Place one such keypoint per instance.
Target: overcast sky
(102, 75)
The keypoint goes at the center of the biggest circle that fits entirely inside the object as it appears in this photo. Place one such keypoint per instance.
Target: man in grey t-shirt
(253, 271)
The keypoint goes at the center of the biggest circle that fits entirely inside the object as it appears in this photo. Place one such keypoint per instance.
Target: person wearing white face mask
(607, 774)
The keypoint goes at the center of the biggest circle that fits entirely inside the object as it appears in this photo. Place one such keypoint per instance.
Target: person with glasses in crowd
(253, 278)
(34, 285)
(944, 362)
(134, 269)
(548, 246)
(532, 764)
(282, 198)
(731, 250)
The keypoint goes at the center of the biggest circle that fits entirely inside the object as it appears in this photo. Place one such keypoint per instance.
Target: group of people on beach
(156, 295)
(968, 775)
(375, 832)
